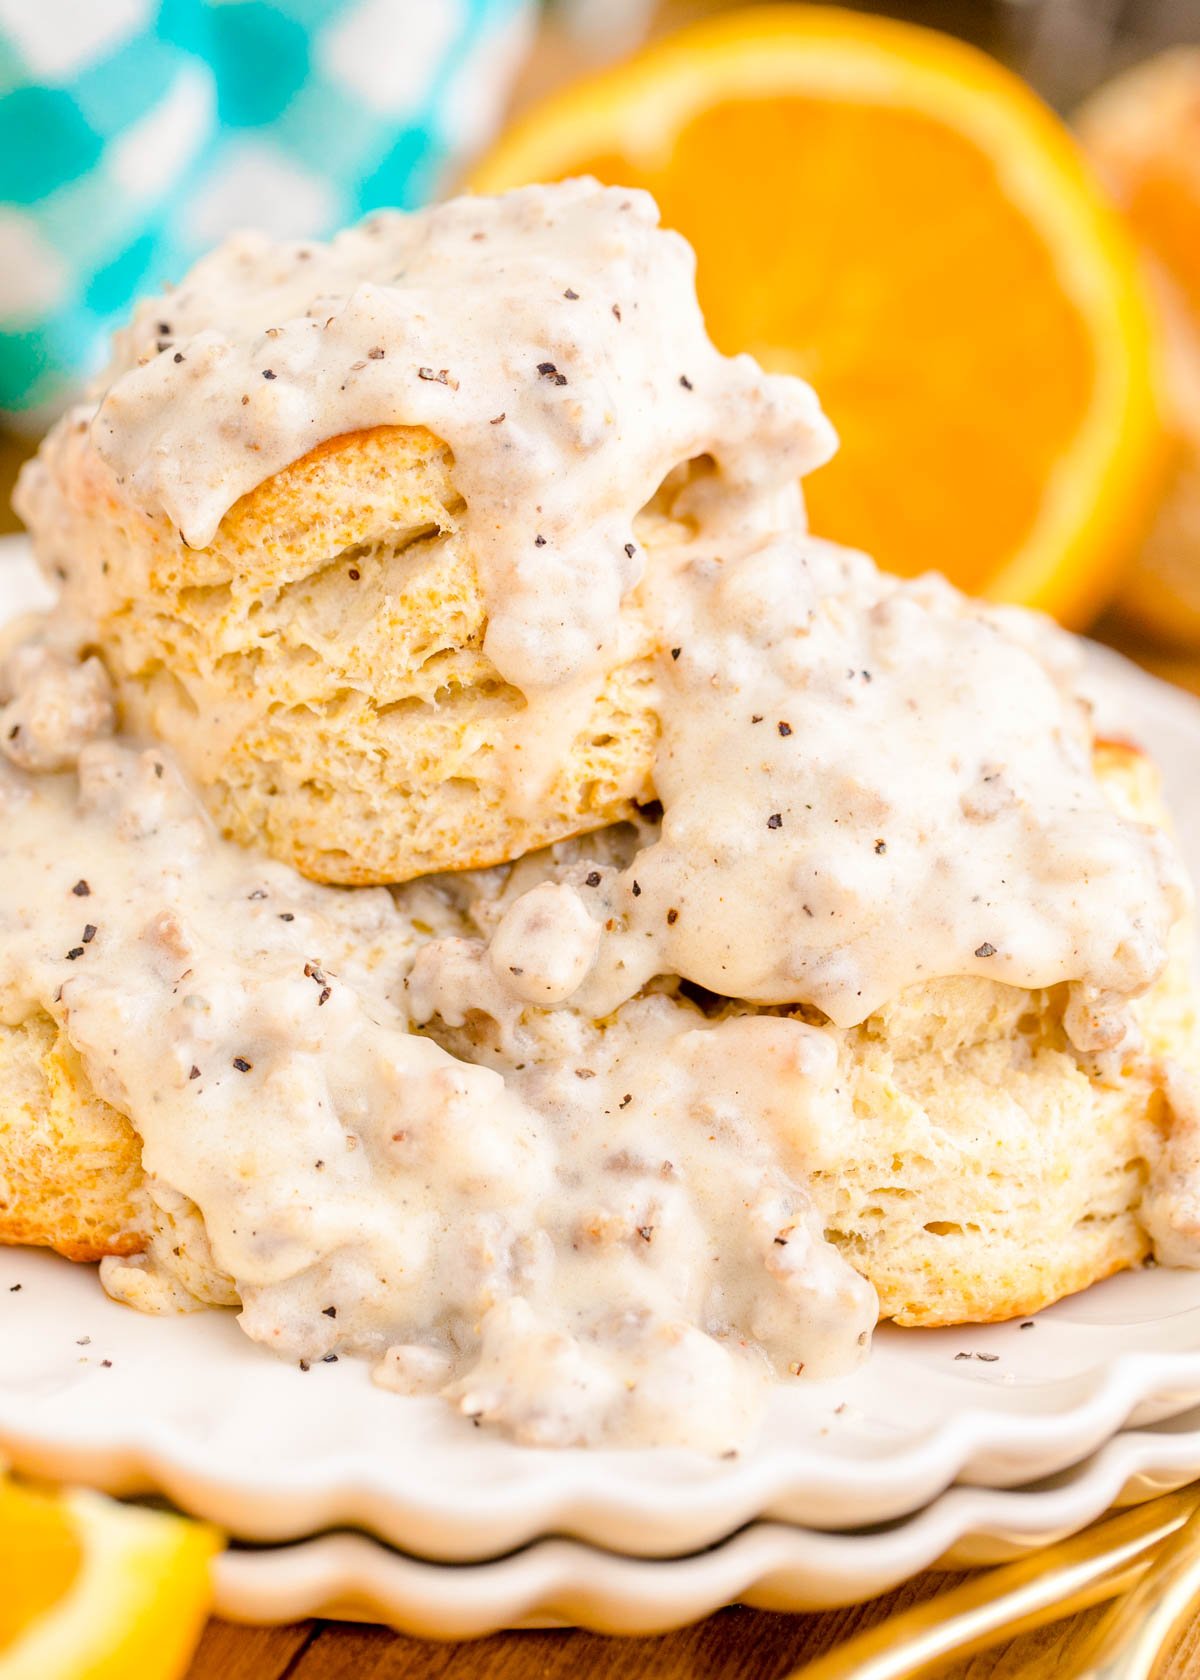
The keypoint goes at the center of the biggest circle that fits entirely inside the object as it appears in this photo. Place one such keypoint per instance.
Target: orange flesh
(40, 1556)
(1164, 209)
(778, 195)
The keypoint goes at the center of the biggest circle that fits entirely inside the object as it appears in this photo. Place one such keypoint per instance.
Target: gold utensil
(1101, 1563)
(1140, 1626)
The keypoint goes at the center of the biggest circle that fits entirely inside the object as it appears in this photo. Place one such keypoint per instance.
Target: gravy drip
(619, 1252)
(866, 784)
(551, 337)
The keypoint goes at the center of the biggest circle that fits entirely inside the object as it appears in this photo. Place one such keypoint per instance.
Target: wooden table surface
(734, 1645)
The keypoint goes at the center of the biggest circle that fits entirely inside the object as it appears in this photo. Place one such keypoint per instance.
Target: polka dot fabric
(135, 133)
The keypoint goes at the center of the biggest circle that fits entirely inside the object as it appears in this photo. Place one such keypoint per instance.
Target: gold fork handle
(1088, 1569)
(1138, 1629)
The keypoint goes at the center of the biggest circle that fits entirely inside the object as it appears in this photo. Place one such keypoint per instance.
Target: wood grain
(733, 1645)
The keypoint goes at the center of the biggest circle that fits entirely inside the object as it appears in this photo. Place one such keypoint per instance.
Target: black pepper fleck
(354, 574)
(685, 382)
(74, 952)
(194, 1072)
(985, 950)
(268, 373)
(242, 1065)
(630, 550)
(330, 1312)
(637, 891)
(784, 729)
(672, 917)
(81, 889)
(675, 652)
(539, 541)
(775, 820)
(89, 933)
(571, 296)
(880, 847)
(593, 879)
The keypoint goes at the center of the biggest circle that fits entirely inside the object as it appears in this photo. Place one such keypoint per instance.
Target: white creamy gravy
(617, 1251)
(551, 337)
(865, 784)
(868, 783)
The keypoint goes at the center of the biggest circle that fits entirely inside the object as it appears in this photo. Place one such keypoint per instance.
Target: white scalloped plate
(189, 1407)
(769, 1565)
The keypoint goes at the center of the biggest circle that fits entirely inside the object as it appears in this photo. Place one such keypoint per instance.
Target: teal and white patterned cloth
(135, 133)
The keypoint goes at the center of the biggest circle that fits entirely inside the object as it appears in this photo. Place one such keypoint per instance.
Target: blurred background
(1011, 412)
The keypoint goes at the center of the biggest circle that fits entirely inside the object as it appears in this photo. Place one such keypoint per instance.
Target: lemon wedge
(94, 1590)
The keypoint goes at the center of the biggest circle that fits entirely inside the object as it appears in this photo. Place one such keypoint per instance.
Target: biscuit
(319, 671)
(990, 1169)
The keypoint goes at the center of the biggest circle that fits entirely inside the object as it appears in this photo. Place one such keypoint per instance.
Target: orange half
(892, 215)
